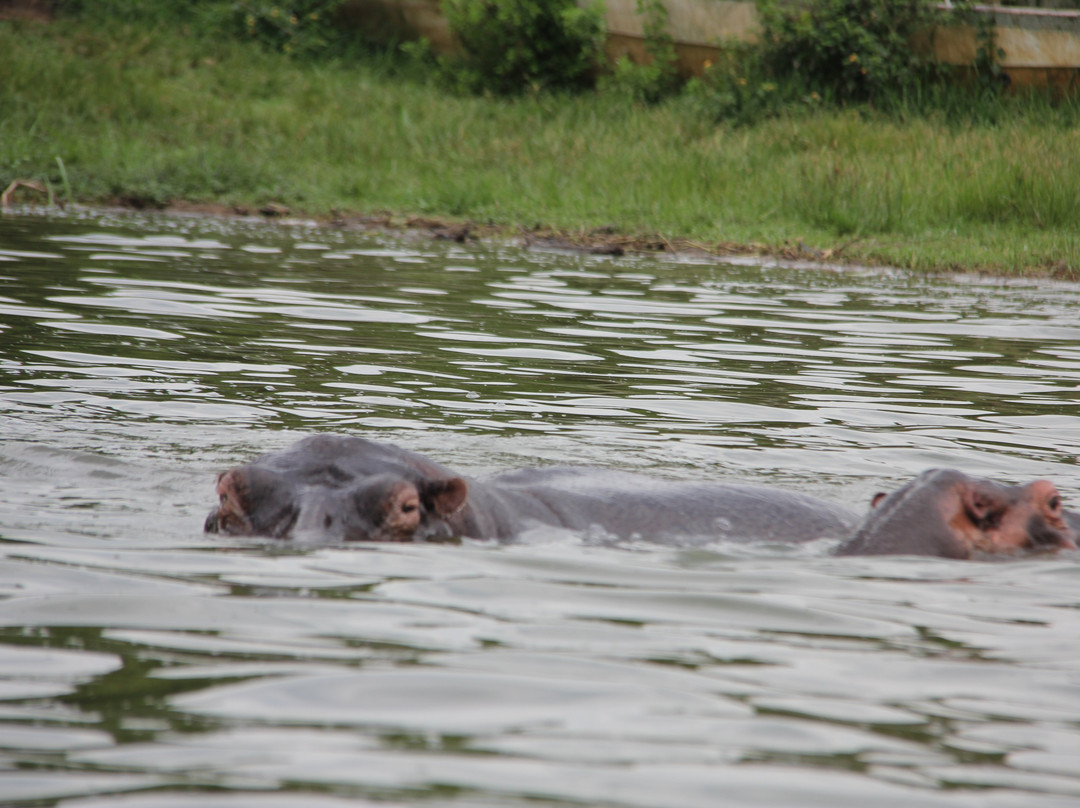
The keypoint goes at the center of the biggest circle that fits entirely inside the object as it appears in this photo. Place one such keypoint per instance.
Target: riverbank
(149, 117)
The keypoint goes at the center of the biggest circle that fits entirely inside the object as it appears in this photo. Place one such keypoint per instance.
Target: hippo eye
(408, 507)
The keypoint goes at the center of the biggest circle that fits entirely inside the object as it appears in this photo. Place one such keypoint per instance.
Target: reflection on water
(142, 662)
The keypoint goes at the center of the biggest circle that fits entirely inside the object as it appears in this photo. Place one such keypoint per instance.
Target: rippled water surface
(145, 664)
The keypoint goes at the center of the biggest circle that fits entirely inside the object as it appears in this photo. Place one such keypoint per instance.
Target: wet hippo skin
(333, 488)
(339, 488)
(944, 512)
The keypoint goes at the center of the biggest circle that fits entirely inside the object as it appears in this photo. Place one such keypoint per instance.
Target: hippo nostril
(1054, 503)
(1042, 536)
(327, 521)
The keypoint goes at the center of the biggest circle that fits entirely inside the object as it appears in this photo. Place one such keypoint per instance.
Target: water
(145, 664)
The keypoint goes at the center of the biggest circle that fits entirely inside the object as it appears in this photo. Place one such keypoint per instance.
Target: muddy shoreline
(594, 241)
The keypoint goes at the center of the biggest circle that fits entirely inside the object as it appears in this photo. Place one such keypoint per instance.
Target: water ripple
(140, 357)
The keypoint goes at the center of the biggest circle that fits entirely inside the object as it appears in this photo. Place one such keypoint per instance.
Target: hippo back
(627, 505)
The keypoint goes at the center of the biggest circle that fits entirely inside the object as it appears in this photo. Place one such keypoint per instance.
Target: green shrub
(514, 45)
(848, 50)
(829, 52)
(197, 17)
(740, 87)
(659, 77)
(294, 27)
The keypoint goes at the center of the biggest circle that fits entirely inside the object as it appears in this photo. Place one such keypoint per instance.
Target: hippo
(944, 512)
(332, 488)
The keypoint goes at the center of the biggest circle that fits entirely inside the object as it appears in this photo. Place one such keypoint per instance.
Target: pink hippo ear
(876, 500)
(982, 507)
(233, 503)
(446, 497)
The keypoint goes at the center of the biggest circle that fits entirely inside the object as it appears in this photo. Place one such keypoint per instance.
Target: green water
(145, 664)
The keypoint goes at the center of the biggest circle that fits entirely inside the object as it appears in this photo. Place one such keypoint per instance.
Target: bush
(294, 27)
(740, 88)
(514, 45)
(657, 78)
(848, 50)
(154, 12)
(827, 52)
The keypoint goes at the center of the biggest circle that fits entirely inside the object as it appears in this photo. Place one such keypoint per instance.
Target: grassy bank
(151, 116)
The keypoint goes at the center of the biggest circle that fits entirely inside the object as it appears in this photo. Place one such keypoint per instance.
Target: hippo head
(947, 513)
(332, 491)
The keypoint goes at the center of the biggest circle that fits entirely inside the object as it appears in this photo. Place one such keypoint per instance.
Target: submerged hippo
(944, 512)
(333, 488)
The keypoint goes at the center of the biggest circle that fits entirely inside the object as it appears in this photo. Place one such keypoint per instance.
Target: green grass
(144, 114)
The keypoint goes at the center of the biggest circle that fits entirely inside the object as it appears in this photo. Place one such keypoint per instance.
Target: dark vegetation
(851, 54)
(831, 136)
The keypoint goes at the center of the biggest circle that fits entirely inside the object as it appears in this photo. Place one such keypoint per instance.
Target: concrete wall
(1040, 45)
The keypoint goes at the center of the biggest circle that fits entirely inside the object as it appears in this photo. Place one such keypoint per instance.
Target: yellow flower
(742, 82)
(853, 58)
(815, 96)
(293, 20)
(707, 64)
(274, 12)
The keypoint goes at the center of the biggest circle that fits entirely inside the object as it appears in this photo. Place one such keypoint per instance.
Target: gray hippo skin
(946, 513)
(333, 488)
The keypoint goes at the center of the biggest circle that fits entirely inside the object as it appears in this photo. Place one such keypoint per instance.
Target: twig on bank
(834, 253)
(33, 185)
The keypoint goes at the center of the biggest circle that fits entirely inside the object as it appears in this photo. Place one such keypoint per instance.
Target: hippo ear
(445, 497)
(234, 502)
(983, 507)
(876, 500)
(253, 501)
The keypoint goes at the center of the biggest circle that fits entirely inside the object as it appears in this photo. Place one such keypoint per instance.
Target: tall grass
(144, 114)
